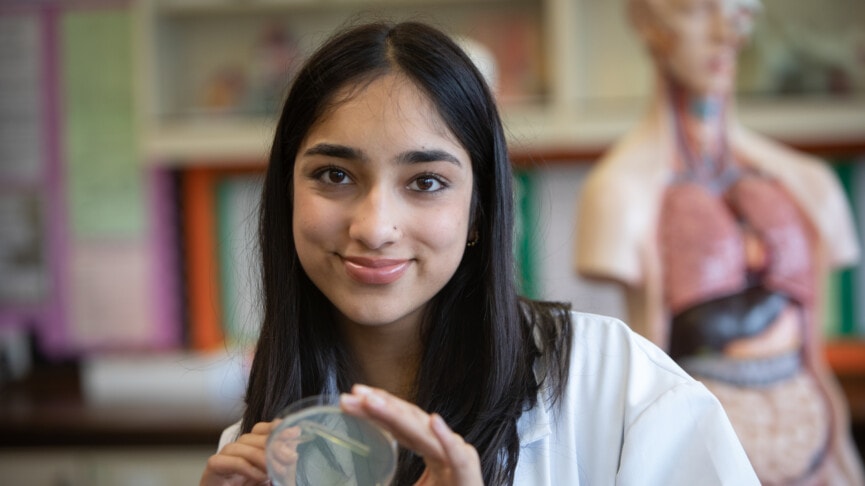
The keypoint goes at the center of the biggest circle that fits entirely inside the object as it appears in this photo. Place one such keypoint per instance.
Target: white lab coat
(629, 416)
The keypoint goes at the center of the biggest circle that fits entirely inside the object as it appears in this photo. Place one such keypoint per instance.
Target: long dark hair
(480, 341)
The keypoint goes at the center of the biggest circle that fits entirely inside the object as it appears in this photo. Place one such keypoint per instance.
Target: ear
(473, 238)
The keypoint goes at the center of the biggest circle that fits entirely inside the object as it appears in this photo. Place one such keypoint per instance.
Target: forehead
(382, 91)
(389, 96)
(385, 114)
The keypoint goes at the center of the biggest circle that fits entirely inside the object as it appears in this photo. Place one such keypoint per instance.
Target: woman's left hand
(449, 459)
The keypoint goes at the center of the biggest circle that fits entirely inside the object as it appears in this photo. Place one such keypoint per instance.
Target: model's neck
(700, 121)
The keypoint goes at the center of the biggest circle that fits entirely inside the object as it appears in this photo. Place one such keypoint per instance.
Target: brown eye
(426, 184)
(336, 176)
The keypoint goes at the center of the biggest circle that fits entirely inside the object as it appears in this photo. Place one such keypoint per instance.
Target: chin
(369, 315)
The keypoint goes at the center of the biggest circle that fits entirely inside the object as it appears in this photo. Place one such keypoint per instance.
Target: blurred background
(133, 137)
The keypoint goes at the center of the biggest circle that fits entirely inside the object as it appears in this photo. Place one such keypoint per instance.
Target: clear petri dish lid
(317, 444)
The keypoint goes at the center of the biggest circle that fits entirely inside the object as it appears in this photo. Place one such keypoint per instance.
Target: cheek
(312, 223)
(446, 230)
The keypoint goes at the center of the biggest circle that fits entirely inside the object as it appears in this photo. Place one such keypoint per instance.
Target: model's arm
(842, 246)
(608, 228)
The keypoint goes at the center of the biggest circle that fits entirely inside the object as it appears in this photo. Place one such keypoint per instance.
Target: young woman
(388, 275)
(723, 240)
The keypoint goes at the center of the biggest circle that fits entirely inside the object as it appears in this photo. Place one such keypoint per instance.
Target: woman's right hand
(242, 462)
(449, 459)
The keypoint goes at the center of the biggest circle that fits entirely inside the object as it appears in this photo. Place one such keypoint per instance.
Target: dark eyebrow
(420, 156)
(336, 151)
(409, 157)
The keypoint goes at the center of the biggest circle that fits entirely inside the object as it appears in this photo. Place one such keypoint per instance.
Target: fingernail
(369, 395)
(374, 400)
(349, 400)
(439, 423)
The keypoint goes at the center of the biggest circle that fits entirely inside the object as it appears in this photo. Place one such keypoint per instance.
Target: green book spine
(526, 234)
(845, 279)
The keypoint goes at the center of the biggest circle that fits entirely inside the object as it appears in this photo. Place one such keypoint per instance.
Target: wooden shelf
(535, 134)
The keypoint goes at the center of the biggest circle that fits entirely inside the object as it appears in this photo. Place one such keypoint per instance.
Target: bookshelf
(551, 101)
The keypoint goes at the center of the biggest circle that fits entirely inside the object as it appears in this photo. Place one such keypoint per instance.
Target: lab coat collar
(534, 424)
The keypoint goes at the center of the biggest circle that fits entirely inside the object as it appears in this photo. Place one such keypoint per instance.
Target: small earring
(474, 241)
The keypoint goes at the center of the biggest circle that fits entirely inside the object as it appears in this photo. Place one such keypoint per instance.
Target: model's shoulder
(633, 169)
(774, 157)
(628, 160)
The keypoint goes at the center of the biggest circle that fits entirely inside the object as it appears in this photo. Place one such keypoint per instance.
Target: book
(237, 202)
(841, 302)
(198, 211)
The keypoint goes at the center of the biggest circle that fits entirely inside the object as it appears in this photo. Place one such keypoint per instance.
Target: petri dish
(317, 444)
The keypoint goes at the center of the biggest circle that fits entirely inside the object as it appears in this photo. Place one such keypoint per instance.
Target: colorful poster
(104, 175)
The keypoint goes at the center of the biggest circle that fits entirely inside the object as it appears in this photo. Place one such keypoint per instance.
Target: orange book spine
(205, 320)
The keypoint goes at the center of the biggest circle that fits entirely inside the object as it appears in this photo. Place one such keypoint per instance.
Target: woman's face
(382, 194)
(700, 41)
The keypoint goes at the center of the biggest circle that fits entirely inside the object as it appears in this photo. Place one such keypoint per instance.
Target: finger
(283, 465)
(259, 435)
(227, 466)
(282, 447)
(251, 453)
(409, 425)
(253, 440)
(264, 428)
(282, 455)
(462, 458)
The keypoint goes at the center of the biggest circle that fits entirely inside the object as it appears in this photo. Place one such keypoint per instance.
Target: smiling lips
(375, 271)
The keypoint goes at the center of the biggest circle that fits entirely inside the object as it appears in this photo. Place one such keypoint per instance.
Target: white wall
(556, 191)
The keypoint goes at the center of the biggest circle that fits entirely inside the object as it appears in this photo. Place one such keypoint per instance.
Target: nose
(376, 219)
